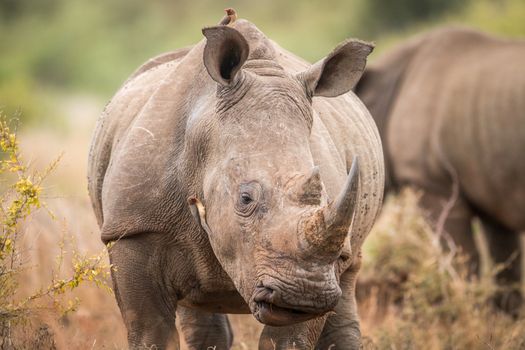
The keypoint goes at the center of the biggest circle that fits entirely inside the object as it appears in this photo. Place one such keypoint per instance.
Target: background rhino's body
(450, 107)
(144, 165)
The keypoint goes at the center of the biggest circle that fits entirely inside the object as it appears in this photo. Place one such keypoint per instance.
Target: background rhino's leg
(148, 312)
(457, 223)
(341, 330)
(203, 330)
(504, 246)
(301, 336)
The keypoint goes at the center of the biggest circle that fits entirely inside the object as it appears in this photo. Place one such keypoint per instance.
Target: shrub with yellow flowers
(21, 193)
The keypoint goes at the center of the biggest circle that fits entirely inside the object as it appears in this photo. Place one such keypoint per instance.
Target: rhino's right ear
(338, 72)
(225, 52)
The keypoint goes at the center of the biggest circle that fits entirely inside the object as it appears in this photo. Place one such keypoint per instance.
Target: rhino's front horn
(339, 214)
(326, 229)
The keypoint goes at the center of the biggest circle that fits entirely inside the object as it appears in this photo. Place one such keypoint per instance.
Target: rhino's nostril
(344, 257)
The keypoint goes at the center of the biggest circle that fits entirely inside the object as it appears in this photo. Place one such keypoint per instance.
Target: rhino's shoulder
(455, 32)
(122, 111)
(450, 43)
(160, 59)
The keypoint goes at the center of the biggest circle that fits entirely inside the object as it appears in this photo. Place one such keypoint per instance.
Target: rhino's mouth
(274, 315)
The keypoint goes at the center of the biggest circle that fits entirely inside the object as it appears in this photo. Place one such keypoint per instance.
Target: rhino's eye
(249, 196)
(246, 198)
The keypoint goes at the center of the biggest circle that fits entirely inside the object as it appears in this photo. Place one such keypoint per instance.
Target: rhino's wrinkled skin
(450, 107)
(229, 188)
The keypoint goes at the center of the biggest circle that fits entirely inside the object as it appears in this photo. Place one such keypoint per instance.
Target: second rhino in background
(450, 108)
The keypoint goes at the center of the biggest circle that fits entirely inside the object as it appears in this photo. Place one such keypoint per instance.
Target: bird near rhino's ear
(338, 72)
(199, 213)
(225, 52)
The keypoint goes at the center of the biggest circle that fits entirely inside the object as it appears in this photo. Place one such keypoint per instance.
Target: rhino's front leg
(341, 329)
(301, 336)
(203, 330)
(146, 307)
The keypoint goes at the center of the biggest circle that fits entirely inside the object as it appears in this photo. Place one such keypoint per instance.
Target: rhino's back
(118, 116)
(462, 103)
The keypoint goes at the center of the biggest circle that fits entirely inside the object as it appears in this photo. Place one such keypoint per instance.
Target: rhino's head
(263, 206)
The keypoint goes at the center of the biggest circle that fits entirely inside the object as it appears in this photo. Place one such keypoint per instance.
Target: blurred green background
(62, 60)
(55, 50)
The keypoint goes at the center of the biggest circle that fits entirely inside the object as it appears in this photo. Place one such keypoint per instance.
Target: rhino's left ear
(225, 52)
(338, 72)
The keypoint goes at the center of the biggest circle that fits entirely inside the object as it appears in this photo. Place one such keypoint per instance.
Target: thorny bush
(21, 195)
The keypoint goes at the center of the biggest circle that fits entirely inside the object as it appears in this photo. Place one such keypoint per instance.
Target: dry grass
(415, 294)
(412, 294)
(97, 323)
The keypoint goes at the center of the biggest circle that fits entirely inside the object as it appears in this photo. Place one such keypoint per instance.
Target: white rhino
(234, 177)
